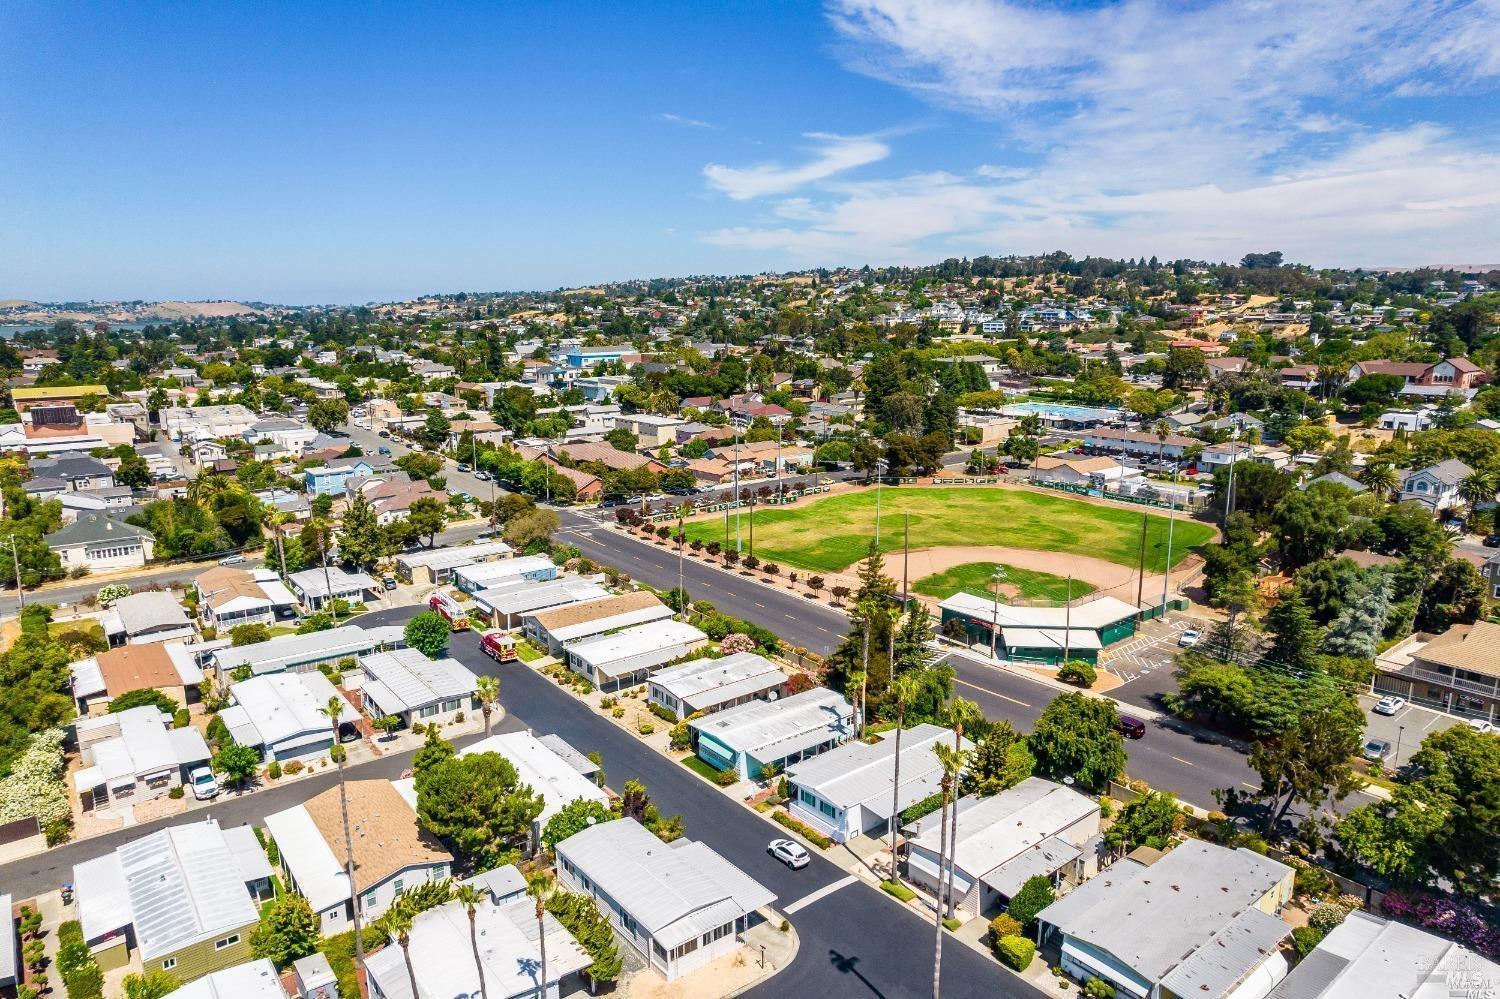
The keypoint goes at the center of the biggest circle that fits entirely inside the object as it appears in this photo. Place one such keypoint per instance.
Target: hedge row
(802, 829)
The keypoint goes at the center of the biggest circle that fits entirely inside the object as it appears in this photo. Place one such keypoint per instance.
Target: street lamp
(1396, 758)
(15, 556)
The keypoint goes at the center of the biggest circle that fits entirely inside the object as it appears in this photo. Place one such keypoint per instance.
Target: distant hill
(192, 310)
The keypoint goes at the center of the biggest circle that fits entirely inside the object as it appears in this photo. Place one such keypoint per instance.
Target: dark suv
(1131, 727)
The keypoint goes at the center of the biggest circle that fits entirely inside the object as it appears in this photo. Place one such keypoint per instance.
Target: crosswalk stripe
(821, 893)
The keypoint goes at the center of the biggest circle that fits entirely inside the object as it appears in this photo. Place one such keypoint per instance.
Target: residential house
(505, 605)
(405, 683)
(207, 423)
(1491, 573)
(315, 589)
(587, 486)
(291, 437)
(708, 685)
(433, 371)
(302, 653)
(483, 575)
(100, 543)
(392, 852)
(436, 565)
(1457, 672)
(1436, 486)
(168, 667)
(229, 597)
(554, 628)
(391, 497)
(680, 906)
(281, 716)
(506, 935)
(652, 431)
(1366, 957)
(151, 616)
(182, 899)
(1454, 374)
(847, 792)
(1336, 479)
(1138, 444)
(330, 479)
(251, 980)
(1214, 921)
(1035, 829)
(599, 453)
(627, 657)
(747, 738)
(481, 431)
(1409, 420)
(133, 755)
(75, 471)
(1097, 472)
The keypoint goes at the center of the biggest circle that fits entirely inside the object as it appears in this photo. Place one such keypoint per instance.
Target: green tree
(327, 415)
(574, 817)
(132, 470)
(428, 632)
(236, 763)
(152, 983)
(1076, 737)
(1308, 761)
(621, 439)
(1147, 821)
(531, 528)
(580, 916)
(1295, 637)
(248, 634)
(1000, 760)
(1032, 897)
(361, 541)
(478, 805)
(426, 518)
(288, 930)
(141, 698)
(434, 432)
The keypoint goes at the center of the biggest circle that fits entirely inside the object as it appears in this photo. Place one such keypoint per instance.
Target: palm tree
(1380, 478)
(488, 692)
(332, 710)
(1163, 430)
(953, 761)
(539, 887)
(854, 683)
(962, 713)
(1477, 487)
(471, 897)
(904, 690)
(397, 922)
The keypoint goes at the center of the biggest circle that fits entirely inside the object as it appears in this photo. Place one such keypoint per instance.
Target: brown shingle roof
(604, 454)
(1474, 647)
(222, 584)
(387, 837)
(136, 667)
(594, 610)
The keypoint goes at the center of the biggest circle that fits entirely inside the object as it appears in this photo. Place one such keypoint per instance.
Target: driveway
(1405, 729)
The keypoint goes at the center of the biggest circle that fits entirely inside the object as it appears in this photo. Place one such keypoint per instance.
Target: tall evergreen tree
(1294, 633)
(1357, 629)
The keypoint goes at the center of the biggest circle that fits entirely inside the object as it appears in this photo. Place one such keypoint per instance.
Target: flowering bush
(1447, 917)
(35, 786)
(111, 592)
(736, 642)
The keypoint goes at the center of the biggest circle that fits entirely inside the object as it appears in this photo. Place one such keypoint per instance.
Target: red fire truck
(451, 611)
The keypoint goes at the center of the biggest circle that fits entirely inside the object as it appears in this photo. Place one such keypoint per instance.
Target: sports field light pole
(738, 546)
(997, 578)
(1068, 622)
(1166, 575)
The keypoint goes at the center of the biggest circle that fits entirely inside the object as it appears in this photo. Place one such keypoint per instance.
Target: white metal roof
(489, 573)
(708, 682)
(88, 679)
(676, 891)
(312, 583)
(251, 980)
(642, 639)
(508, 940)
(614, 622)
(146, 745)
(1100, 612)
(291, 651)
(773, 730)
(995, 830)
(413, 681)
(141, 612)
(176, 886)
(1052, 638)
(549, 775)
(280, 707)
(861, 773)
(319, 875)
(536, 596)
(452, 558)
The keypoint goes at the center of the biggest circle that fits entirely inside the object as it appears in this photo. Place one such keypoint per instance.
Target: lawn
(700, 768)
(830, 534)
(975, 577)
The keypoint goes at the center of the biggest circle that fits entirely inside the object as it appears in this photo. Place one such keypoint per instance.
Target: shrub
(1003, 926)
(1035, 895)
(181, 718)
(1015, 952)
(274, 770)
(294, 767)
(681, 737)
(898, 889)
(802, 829)
(75, 963)
(1313, 881)
(724, 778)
(176, 793)
(617, 712)
(666, 715)
(645, 728)
(922, 808)
(1326, 916)
(1077, 671)
(1098, 988)
(1305, 938)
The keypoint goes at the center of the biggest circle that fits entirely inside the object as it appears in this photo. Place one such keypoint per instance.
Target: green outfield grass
(829, 534)
(974, 577)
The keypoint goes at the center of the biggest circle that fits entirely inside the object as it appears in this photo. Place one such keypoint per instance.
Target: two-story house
(1436, 486)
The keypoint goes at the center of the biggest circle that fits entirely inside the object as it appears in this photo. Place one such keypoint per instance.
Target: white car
(204, 784)
(1481, 726)
(792, 854)
(1189, 638)
(232, 560)
(1389, 705)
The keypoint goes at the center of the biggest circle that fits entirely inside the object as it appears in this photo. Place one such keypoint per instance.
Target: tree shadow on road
(846, 964)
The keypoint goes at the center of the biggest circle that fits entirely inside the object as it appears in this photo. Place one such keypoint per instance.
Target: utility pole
(996, 579)
(737, 545)
(1068, 622)
(681, 590)
(864, 680)
(16, 561)
(905, 557)
(1166, 575)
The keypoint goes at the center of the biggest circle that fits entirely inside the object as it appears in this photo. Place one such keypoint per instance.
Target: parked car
(389, 582)
(1189, 638)
(1481, 726)
(464, 467)
(1389, 705)
(790, 853)
(1376, 750)
(1492, 540)
(482, 475)
(383, 450)
(235, 559)
(384, 433)
(204, 784)
(1131, 727)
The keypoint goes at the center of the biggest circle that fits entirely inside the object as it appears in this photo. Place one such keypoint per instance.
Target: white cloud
(677, 119)
(1201, 129)
(832, 154)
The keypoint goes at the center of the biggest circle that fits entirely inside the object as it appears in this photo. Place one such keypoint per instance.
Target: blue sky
(346, 153)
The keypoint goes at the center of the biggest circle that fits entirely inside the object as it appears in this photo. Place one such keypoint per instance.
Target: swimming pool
(1061, 412)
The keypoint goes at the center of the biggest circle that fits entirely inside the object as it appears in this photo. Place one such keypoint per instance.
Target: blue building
(329, 479)
(582, 357)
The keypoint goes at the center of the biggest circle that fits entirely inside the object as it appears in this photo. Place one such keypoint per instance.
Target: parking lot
(1145, 662)
(1404, 730)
